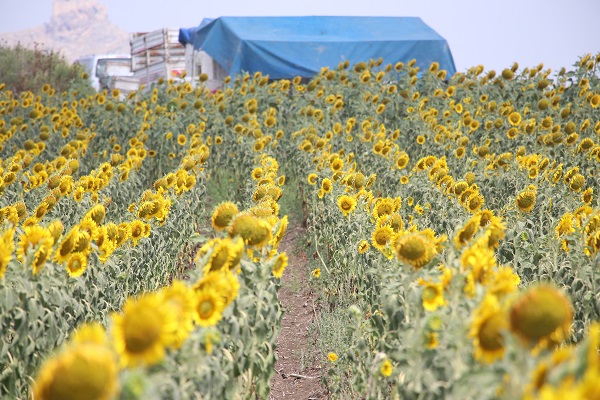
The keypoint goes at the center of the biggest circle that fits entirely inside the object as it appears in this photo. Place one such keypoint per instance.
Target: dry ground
(298, 375)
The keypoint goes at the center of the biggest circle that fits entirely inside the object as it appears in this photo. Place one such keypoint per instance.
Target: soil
(298, 369)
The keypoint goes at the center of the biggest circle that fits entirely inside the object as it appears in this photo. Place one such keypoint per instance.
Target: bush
(23, 69)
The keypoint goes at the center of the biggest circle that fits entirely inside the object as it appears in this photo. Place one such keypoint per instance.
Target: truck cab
(101, 68)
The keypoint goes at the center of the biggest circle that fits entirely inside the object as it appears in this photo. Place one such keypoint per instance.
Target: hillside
(76, 28)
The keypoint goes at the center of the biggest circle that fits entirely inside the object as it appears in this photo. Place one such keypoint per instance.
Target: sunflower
(97, 213)
(503, 282)
(39, 240)
(281, 230)
(495, 232)
(260, 235)
(468, 231)
(181, 300)
(588, 195)
(208, 308)
(414, 249)
(224, 283)
(243, 225)
(67, 245)
(386, 368)
(56, 229)
(143, 330)
(7, 247)
(223, 215)
(90, 333)
(326, 185)
(541, 312)
(77, 264)
(41, 210)
(460, 187)
(89, 226)
(136, 230)
(220, 256)
(363, 246)
(181, 140)
(474, 202)
(384, 206)
(346, 204)
(381, 237)
(87, 370)
(433, 295)
(337, 164)
(279, 264)
(123, 233)
(479, 259)
(402, 160)
(312, 178)
(514, 118)
(565, 225)
(526, 200)
(577, 182)
(257, 173)
(487, 330)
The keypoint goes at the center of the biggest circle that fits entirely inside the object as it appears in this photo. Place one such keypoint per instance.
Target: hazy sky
(492, 33)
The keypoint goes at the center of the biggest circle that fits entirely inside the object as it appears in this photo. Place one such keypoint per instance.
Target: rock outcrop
(76, 28)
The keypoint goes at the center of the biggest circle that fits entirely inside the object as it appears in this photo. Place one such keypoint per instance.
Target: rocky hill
(76, 28)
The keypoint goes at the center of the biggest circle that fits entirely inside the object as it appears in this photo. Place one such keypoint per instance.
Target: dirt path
(298, 376)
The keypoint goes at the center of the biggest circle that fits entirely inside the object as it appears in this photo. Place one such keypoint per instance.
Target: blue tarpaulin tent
(285, 47)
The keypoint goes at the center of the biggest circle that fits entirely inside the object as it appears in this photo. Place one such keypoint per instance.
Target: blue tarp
(285, 47)
(186, 35)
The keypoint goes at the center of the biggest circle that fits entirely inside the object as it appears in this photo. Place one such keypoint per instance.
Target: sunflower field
(452, 222)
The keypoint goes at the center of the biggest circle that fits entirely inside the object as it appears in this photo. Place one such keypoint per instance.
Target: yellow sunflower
(526, 200)
(541, 312)
(346, 204)
(432, 296)
(503, 282)
(224, 283)
(414, 249)
(87, 370)
(363, 246)
(479, 259)
(143, 330)
(386, 368)
(381, 237)
(220, 257)
(281, 226)
(181, 299)
(326, 185)
(37, 242)
(208, 308)
(77, 264)
(136, 229)
(279, 264)
(7, 247)
(487, 330)
(384, 206)
(468, 231)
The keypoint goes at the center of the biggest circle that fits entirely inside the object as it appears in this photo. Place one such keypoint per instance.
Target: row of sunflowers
(111, 276)
(466, 263)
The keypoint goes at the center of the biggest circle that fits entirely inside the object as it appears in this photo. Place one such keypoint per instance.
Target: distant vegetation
(23, 69)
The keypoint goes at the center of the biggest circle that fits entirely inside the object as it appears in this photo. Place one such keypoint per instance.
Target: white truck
(101, 68)
(154, 55)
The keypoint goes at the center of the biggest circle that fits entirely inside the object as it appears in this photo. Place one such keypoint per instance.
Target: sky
(492, 33)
